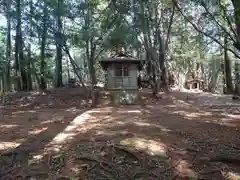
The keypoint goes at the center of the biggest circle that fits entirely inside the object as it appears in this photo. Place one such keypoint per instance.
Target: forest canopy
(45, 43)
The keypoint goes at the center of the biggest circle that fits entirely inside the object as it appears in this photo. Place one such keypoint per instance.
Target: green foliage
(96, 28)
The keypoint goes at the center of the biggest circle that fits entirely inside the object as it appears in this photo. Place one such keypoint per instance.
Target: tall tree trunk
(43, 84)
(35, 74)
(164, 73)
(18, 60)
(22, 62)
(237, 77)
(75, 67)
(90, 52)
(58, 72)
(236, 5)
(92, 64)
(225, 91)
(68, 69)
(9, 46)
(214, 75)
(90, 47)
(29, 74)
(227, 70)
(212, 84)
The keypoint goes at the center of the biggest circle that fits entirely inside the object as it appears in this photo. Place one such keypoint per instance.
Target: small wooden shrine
(121, 77)
(194, 84)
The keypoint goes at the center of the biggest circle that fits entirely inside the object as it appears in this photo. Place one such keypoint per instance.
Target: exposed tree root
(63, 178)
(226, 159)
(104, 165)
(10, 153)
(209, 172)
(233, 146)
(192, 150)
(8, 171)
(128, 151)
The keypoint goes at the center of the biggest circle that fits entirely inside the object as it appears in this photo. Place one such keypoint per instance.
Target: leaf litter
(210, 149)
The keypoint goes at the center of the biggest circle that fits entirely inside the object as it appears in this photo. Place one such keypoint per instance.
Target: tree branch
(204, 33)
(170, 27)
(215, 20)
(227, 18)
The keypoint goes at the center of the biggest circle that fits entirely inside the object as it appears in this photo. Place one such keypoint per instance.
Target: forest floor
(183, 135)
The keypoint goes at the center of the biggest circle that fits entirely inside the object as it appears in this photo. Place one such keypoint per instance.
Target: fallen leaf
(103, 153)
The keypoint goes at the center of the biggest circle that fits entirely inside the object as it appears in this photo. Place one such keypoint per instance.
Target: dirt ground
(181, 135)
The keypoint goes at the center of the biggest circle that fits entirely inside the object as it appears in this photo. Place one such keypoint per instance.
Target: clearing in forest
(180, 136)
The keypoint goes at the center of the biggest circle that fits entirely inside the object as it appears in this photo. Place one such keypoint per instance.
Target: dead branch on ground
(128, 151)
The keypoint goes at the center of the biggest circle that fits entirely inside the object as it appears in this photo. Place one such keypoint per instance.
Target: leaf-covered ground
(181, 135)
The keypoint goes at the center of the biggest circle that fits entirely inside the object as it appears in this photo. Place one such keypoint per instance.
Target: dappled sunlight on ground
(8, 126)
(37, 131)
(74, 110)
(22, 112)
(54, 120)
(76, 126)
(190, 115)
(173, 137)
(120, 110)
(183, 168)
(234, 116)
(85, 122)
(8, 145)
(151, 147)
(231, 175)
(144, 124)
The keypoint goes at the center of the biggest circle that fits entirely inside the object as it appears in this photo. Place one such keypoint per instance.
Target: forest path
(180, 136)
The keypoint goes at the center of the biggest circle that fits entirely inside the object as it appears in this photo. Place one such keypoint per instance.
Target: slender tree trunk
(212, 84)
(58, 72)
(29, 71)
(43, 84)
(236, 5)
(87, 58)
(215, 74)
(68, 69)
(90, 48)
(22, 62)
(228, 71)
(90, 52)
(164, 73)
(237, 77)
(17, 47)
(9, 46)
(225, 91)
(76, 70)
(19, 55)
(35, 74)
(92, 64)
(29, 74)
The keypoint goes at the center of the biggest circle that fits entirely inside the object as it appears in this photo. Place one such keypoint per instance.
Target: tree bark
(236, 5)
(19, 56)
(9, 46)
(29, 74)
(228, 71)
(23, 63)
(58, 72)
(43, 84)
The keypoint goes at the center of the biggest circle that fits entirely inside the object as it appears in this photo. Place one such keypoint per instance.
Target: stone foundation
(125, 97)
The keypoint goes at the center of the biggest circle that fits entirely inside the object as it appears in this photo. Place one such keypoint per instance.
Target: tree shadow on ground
(27, 134)
(165, 140)
(144, 143)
